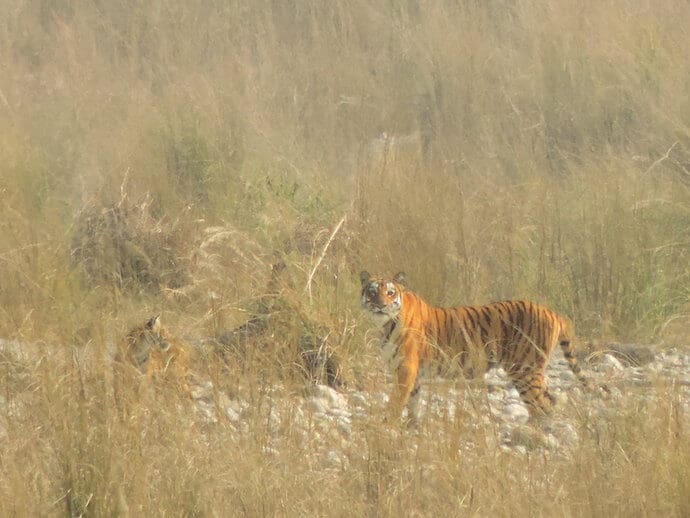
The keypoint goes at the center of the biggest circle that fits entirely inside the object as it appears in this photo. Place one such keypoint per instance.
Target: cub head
(382, 297)
(157, 354)
(143, 340)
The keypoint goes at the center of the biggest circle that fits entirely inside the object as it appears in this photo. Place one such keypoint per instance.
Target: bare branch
(323, 254)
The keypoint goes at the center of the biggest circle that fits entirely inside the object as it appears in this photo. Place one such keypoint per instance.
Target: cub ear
(154, 323)
(364, 277)
(400, 278)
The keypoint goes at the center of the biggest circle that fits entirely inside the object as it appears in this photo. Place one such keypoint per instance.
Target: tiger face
(144, 341)
(381, 297)
(153, 351)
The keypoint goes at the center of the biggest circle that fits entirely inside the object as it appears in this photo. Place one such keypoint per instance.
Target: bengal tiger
(154, 352)
(517, 335)
(273, 316)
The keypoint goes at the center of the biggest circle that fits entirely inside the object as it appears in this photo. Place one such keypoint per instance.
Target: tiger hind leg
(533, 391)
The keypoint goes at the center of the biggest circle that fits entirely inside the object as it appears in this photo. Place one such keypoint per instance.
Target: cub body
(154, 352)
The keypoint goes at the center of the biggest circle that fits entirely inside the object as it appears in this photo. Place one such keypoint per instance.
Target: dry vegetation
(161, 157)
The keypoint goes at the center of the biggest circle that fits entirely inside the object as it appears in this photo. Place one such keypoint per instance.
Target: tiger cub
(154, 352)
(516, 335)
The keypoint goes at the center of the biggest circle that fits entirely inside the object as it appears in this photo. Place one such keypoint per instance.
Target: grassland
(161, 158)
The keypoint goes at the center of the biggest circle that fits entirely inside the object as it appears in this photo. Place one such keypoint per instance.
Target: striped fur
(517, 335)
(154, 352)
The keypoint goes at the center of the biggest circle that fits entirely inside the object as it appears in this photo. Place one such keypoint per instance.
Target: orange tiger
(517, 335)
(156, 353)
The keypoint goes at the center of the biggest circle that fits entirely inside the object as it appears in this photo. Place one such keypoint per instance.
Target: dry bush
(124, 245)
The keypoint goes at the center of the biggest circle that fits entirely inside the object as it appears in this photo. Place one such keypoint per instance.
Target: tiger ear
(154, 323)
(364, 277)
(400, 278)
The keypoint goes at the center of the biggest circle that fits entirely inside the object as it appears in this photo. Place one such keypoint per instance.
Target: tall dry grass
(159, 158)
(69, 450)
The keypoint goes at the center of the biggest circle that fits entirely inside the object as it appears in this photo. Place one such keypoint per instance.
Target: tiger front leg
(403, 386)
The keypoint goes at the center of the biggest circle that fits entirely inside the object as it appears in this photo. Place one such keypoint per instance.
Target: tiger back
(518, 335)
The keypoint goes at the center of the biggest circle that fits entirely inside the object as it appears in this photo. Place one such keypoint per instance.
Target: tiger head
(156, 354)
(145, 341)
(382, 298)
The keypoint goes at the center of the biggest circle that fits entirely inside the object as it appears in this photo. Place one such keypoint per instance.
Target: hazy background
(533, 150)
(489, 149)
(159, 157)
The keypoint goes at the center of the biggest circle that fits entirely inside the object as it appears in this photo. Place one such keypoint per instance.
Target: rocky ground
(333, 423)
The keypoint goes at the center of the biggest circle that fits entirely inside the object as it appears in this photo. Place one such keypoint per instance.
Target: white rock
(379, 398)
(232, 415)
(206, 411)
(359, 400)
(340, 412)
(202, 390)
(345, 427)
(334, 398)
(274, 420)
(460, 394)
(496, 411)
(298, 416)
(269, 451)
(495, 397)
(237, 405)
(550, 441)
(494, 378)
(656, 366)
(566, 433)
(516, 412)
(450, 410)
(670, 358)
(520, 449)
(506, 448)
(318, 405)
(335, 460)
(610, 362)
(512, 393)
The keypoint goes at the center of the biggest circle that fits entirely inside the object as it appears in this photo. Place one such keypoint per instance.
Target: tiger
(275, 317)
(155, 353)
(517, 335)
